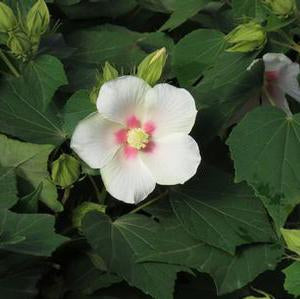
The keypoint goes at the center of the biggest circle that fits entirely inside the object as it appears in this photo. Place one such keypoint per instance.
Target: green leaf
(248, 8)
(292, 239)
(229, 272)
(19, 275)
(25, 102)
(225, 89)
(82, 276)
(8, 187)
(183, 11)
(121, 242)
(77, 108)
(20, 285)
(264, 147)
(196, 52)
(292, 279)
(218, 212)
(30, 164)
(29, 203)
(28, 233)
(89, 10)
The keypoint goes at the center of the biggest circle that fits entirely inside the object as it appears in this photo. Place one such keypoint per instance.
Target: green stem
(66, 195)
(9, 64)
(150, 202)
(98, 193)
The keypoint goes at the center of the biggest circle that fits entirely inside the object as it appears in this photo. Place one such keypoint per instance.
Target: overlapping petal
(123, 98)
(173, 160)
(127, 179)
(171, 109)
(94, 140)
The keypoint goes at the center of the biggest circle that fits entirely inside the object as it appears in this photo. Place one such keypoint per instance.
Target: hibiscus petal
(170, 109)
(94, 140)
(290, 82)
(275, 61)
(277, 96)
(127, 178)
(122, 99)
(173, 160)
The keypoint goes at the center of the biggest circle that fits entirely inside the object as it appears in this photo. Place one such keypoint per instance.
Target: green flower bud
(83, 209)
(65, 171)
(151, 68)
(19, 45)
(8, 20)
(108, 73)
(282, 8)
(246, 38)
(292, 239)
(38, 18)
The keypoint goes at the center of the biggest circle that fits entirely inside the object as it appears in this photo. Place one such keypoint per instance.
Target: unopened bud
(8, 20)
(83, 209)
(108, 73)
(246, 38)
(65, 171)
(38, 18)
(19, 44)
(282, 8)
(292, 239)
(151, 68)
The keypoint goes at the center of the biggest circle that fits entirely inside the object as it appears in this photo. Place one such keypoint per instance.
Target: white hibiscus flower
(139, 137)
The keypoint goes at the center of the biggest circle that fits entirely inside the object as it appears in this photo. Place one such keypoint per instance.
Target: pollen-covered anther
(137, 138)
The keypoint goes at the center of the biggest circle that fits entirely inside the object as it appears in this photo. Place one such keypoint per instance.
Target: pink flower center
(271, 78)
(136, 137)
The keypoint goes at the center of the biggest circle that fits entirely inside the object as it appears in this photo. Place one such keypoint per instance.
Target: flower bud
(292, 239)
(8, 20)
(38, 18)
(83, 209)
(108, 73)
(282, 8)
(19, 45)
(65, 171)
(246, 38)
(151, 68)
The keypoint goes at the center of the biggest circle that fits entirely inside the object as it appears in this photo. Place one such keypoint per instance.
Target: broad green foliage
(8, 187)
(264, 147)
(183, 10)
(248, 8)
(218, 212)
(191, 54)
(29, 161)
(292, 279)
(77, 107)
(225, 89)
(26, 106)
(85, 276)
(119, 45)
(19, 275)
(228, 271)
(120, 243)
(28, 234)
(145, 241)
